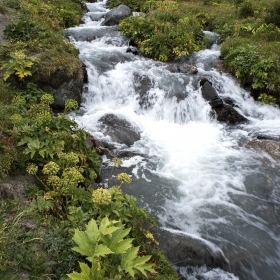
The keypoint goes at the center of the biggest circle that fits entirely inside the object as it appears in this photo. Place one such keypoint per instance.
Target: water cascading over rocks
(195, 174)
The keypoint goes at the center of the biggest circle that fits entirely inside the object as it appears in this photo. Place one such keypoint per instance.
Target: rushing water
(197, 176)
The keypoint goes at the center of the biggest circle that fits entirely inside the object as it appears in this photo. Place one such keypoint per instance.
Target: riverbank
(38, 219)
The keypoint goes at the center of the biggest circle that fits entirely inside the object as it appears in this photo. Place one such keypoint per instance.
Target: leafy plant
(163, 37)
(267, 99)
(20, 65)
(97, 243)
(273, 14)
(246, 10)
(23, 30)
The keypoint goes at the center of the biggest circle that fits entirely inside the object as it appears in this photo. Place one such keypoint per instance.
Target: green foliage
(23, 30)
(246, 10)
(71, 105)
(98, 243)
(20, 65)
(241, 60)
(273, 14)
(135, 5)
(267, 99)
(162, 35)
(267, 32)
(252, 64)
(14, 4)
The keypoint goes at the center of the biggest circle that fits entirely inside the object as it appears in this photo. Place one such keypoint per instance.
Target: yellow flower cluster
(75, 136)
(69, 158)
(71, 176)
(47, 99)
(116, 161)
(101, 196)
(32, 169)
(124, 177)
(54, 181)
(92, 175)
(150, 236)
(50, 168)
(16, 119)
(71, 105)
(19, 100)
(44, 117)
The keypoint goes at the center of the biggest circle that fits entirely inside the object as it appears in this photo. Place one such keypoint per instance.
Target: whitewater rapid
(197, 175)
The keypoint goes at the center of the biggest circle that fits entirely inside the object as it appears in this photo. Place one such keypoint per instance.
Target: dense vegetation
(249, 30)
(61, 211)
(65, 229)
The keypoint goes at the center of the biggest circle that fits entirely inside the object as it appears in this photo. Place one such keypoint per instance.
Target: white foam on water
(207, 160)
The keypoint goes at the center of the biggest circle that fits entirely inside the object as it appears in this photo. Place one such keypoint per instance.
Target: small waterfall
(197, 176)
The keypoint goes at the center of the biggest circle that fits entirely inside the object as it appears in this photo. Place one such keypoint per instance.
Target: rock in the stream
(183, 250)
(120, 130)
(187, 68)
(208, 92)
(270, 147)
(225, 113)
(132, 50)
(142, 86)
(116, 15)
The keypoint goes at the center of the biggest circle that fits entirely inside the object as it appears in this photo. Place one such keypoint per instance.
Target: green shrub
(14, 4)
(23, 30)
(267, 99)
(246, 10)
(163, 40)
(267, 32)
(273, 14)
(135, 5)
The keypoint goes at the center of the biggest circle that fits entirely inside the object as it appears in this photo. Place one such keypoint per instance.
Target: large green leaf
(131, 261)
(86, 247)
(84, 275)
(116, 242)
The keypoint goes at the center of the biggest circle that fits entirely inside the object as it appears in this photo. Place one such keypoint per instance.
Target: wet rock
(128, 154)
(85, 79)
(224, 112)
(142, 86)
(116, 15)
(216, 103)
(97, 16)
(119, 129)
(132, 50)
(62, 87)
(187, 68)
(266, 137)
(183, 250)
(228, 114)
(208, 92)
(89, 34)
(270, 147)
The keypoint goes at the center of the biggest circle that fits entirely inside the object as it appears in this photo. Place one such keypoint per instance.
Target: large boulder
(63, 87)
(119, 129)
(183, 250)
(116, 15)
(227, 114)
(224, 112)
(269, 147)
(208, 92)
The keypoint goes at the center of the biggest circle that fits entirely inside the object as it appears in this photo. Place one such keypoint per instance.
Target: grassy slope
(35, 243)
